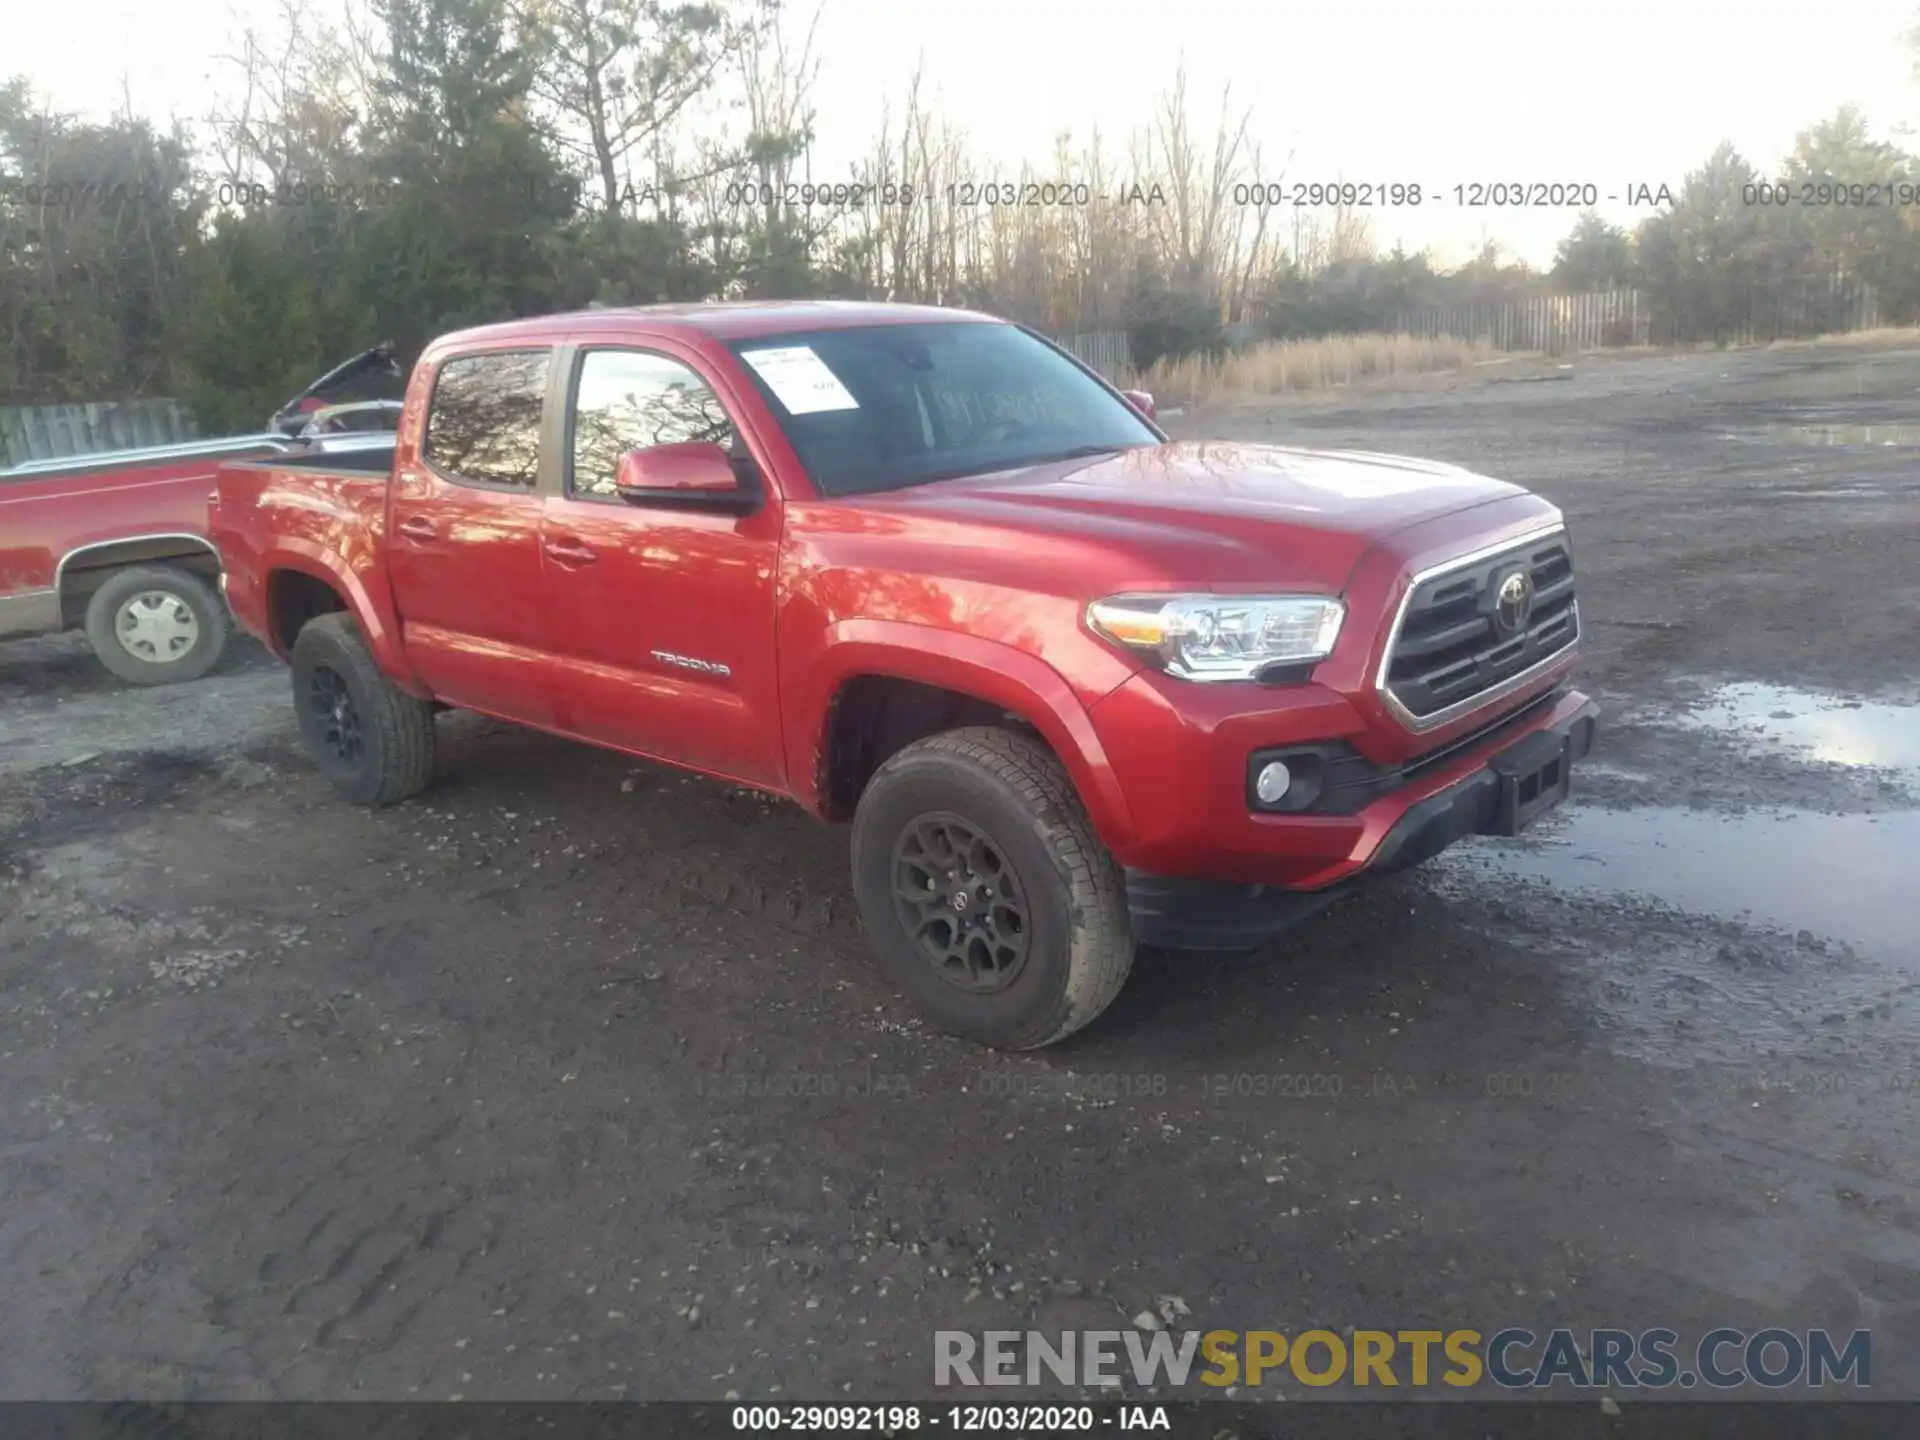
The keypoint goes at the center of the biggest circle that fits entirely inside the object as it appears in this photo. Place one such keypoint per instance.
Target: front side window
(632, 399)
(484, 423)
(882, 407)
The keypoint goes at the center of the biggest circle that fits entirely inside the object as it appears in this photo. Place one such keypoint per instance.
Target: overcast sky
(1617, 94)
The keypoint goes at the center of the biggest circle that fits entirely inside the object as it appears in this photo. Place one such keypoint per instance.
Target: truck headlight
(1221, 637)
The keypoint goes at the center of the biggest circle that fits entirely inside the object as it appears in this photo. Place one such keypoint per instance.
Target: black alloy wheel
(962, 902)
(336, 721)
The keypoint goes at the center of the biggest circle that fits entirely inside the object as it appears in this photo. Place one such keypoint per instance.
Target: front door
(662, 618)
(464, 550)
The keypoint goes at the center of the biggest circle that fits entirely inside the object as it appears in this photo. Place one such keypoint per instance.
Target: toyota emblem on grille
(1513, 603)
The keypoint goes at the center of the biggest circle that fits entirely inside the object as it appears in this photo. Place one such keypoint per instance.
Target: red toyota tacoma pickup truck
(1076, 687)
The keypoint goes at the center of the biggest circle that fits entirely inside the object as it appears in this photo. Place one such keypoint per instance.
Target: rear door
(464, 545)
(663, 618)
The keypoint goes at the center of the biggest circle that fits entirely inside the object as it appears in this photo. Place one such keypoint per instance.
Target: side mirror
(1140, 400)
(691, 473)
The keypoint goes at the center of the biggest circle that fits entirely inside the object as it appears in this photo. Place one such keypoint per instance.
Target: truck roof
(723, 320)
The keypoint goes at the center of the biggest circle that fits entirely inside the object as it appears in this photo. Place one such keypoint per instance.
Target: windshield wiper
(1082, 452)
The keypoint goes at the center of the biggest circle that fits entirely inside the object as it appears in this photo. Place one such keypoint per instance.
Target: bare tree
(777, 71)
(618, 75)
(1199, 226)
(1260, 251)
(293, 116)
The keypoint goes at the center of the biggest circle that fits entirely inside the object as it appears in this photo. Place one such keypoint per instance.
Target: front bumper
(1491, 791)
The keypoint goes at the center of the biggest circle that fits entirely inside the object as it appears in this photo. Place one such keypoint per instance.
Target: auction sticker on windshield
(800, 379)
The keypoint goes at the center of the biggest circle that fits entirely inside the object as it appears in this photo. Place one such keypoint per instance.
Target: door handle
(415, 527)
(569, 552)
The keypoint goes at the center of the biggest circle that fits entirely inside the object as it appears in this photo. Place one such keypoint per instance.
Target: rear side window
(484, 423)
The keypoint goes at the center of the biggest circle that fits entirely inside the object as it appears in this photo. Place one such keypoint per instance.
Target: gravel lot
(573, 1078)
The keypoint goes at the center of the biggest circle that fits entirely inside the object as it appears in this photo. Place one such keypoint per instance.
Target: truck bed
(312, 514)
(373, 459)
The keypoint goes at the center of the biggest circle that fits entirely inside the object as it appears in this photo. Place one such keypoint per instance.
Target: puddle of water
(1855, 434)
(1835, 729)
(1839, 492)
(1842, 877)
(1892, 434)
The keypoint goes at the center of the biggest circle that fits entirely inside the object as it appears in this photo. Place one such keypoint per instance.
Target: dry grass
(1884, 337)
(1284, 367)
(1897, 336)
(1304, 367)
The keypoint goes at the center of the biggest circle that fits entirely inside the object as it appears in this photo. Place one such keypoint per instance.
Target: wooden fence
(52, 432)
(1107, 351)
(1830, 306)
(1555, 324)
(1561, 324)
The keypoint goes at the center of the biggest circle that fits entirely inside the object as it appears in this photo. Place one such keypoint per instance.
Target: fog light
(1272, 782)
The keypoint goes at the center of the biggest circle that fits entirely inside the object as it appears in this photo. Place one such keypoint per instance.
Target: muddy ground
(573, 1078)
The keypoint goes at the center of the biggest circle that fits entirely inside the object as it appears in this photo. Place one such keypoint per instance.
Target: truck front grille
(1454, 644)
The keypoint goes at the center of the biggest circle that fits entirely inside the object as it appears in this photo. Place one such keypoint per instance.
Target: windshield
(887, 406)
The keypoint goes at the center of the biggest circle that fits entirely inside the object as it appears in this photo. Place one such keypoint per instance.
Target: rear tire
(985, 823)
(372, 740)
(157, 625)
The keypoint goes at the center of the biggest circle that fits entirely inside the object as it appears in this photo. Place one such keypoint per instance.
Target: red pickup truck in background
(120, 547)
(1075, 686)
(116, 542)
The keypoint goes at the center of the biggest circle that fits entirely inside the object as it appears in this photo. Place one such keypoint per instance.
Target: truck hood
(1204, 511)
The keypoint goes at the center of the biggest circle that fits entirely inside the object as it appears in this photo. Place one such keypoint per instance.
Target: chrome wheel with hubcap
(156, 626)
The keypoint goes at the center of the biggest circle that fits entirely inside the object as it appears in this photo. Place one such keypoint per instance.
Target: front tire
(157, 625)
(989, 898)
(372, 740)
